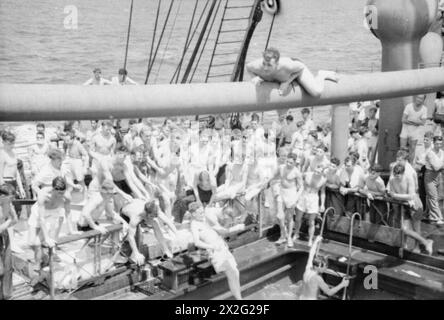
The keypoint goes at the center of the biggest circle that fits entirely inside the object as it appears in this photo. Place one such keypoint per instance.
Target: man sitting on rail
(285, 70)
(209, 237)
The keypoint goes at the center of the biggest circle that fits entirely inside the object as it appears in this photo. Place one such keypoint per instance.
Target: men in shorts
(308, 203)
(47, 216)
(8, 218)
(207, 237)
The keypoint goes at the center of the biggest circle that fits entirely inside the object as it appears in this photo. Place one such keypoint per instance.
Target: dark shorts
(123, 186)
(204, 195)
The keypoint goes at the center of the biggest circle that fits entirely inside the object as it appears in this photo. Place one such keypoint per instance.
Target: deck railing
(88, 235)
(364, 205)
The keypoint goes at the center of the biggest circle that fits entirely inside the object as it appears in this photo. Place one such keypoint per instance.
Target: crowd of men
(164, 174)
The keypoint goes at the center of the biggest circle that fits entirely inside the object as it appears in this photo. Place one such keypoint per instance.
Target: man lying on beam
(274, 68)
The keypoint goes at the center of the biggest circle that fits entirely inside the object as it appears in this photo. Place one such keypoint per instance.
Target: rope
(150, 66)
(185, 46)
(128, 35)
(206, 40)
(269, 31)
(168, 41)
(194, 32)
(154, 37)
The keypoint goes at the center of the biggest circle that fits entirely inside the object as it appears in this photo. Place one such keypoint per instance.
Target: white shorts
(289, 197)
(412, 132)
(51, 217)
(75, 167)
(308, 203)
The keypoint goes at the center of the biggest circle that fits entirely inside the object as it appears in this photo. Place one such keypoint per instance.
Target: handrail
(88, 234)
(379, 198)
(72, 238)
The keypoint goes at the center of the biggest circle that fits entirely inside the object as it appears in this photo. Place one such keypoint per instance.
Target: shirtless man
(209, 238)
(334, 199)
(38, 154)
(123, 79)
(297, 140)
(308, 124)
(374, 187)
(308, 202)
(290, 189)
(132, 140)
(76, 160)
(8, 165)
(48, 172)
(284, 70)
(312, 279)
(400, 187)
(99, 203)
(402, 157)
(8, 218)
(318, 159)
(95, 129)
(118, 168)
(236, 180)
(104, 143)
(47, 216)
(138, 211)
(97, 79)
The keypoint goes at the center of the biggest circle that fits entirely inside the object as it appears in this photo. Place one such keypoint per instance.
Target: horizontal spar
(36, 102)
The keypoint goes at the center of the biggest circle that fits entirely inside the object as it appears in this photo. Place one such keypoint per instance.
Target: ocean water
(40, 43)
(37, 45)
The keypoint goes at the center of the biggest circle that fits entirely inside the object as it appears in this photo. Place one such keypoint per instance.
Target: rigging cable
(269, 32)
(186, 42)
(168, 41)
(154, 36)
(150, 66)
(128, 34)
(205, 42)
(199, 41)
(194, 32)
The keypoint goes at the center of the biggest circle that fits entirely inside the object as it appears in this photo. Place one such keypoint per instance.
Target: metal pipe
(51, 273)
(350, 243)
(321, 232)
(36, 102)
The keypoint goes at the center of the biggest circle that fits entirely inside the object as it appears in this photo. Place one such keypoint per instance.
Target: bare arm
(67, 205)
(167, 221)
(11, 219)
(2, 167)
(134, 222)
(434, 161)
(90, 206)
(326, 288)
(85, 156)
(196, 239)
(41, 214)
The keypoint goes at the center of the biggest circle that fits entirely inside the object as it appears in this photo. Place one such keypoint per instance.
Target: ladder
(230, 36)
